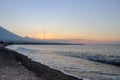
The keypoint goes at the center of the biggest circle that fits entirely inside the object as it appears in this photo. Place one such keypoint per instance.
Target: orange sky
(91, 20)
(88, 37)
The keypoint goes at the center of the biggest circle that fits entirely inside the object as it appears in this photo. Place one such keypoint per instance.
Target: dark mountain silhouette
(8, 36)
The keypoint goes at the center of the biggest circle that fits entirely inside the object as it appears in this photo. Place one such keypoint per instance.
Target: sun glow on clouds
(54, 36)
(76, 38)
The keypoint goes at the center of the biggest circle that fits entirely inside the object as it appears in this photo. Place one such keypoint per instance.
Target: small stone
(19, 62)
(3, 76)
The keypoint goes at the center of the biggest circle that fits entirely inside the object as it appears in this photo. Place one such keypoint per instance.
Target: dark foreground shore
(15, 66)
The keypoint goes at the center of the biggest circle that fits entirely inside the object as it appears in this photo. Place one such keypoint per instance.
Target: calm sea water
(67, 58)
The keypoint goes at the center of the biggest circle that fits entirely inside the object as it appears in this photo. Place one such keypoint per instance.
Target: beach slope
(15, 66)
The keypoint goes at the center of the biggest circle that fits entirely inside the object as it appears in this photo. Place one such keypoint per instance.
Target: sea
(81, 61)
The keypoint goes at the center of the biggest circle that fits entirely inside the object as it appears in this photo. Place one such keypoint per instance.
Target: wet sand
(15, 66)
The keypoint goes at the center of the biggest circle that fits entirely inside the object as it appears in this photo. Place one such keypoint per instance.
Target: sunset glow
(92, 20)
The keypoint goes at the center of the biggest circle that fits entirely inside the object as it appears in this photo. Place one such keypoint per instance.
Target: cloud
(71, 40)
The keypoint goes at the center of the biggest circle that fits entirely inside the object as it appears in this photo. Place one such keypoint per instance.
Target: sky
(92, 21)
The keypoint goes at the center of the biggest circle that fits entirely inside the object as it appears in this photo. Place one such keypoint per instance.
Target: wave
(102, 73)
(113, 60)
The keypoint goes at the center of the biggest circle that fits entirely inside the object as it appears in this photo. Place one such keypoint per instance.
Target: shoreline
(41, 70)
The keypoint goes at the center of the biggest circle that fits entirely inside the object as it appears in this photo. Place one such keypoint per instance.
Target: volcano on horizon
(8, 36)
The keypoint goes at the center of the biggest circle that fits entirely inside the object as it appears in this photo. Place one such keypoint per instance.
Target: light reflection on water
(54, 56)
